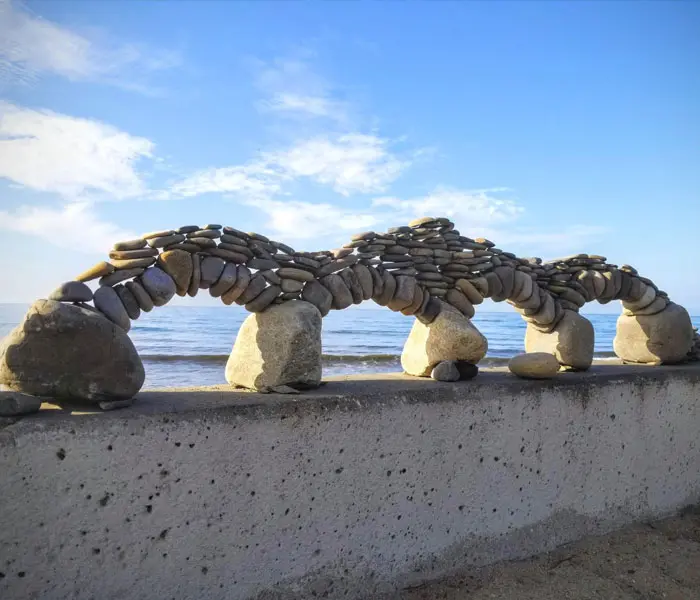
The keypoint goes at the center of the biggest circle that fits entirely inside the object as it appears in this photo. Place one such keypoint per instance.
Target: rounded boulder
(67, 352)
(450, 337)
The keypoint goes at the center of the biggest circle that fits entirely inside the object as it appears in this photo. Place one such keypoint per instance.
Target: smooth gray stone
(262, 264)
(65, 352)
(115, 404)
(72, 291)
(129, 301)
(210, 269)
(226, 281)
(144, 300)
(319, 296)
(15, 404)
(107, 301)
(159, 285)
(445, 371)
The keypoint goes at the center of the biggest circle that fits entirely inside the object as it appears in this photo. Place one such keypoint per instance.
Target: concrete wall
(352, 491)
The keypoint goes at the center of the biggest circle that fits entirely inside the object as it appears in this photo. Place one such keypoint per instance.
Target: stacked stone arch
(420, 269)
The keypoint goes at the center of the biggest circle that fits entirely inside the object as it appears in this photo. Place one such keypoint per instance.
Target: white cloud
(296, 220)
(306, 106)
(75, 226)
(31, 46)
(470, 208)
(51, 152)
(293, 89)
(353, 163)
(349, 163)
(255, 180)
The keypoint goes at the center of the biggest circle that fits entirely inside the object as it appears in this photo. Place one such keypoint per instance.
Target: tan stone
(570, 342)
(451, 336)
(534, 365)
(177, 264)
(280, 346)
(101, 269)
(663, 338)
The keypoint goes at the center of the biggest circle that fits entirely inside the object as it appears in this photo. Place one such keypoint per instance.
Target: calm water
(189, 345)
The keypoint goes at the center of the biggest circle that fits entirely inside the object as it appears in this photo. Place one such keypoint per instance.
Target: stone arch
(410, 269)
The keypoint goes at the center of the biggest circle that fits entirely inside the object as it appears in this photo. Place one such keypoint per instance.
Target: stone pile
(417, 269)
(409, 269)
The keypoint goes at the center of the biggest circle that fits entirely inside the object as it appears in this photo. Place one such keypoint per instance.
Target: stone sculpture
(425, 269)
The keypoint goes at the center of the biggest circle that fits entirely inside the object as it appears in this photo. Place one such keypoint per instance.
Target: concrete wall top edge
(340, 393)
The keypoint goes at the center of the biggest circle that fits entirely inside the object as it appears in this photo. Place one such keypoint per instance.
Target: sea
(189, 345)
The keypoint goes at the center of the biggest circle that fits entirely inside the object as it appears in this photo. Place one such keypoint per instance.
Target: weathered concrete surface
(353, 490)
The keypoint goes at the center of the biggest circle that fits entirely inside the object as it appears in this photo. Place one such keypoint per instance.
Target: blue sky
(551, 128)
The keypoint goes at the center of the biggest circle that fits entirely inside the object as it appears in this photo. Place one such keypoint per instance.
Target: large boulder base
(571, 341)
(663, 338)
(66, 352)
(279, 346)
(451, 336)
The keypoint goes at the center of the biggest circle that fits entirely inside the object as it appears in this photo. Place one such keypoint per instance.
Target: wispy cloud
(295, 220)
(351, 163)
(31, 46)
(291, 88)
(478, 208)
(75, 226)
(348, 164)
(51, 152)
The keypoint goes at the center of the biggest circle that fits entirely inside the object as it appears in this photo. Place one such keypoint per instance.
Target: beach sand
(646, 561)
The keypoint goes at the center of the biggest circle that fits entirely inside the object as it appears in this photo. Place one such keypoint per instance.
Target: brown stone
(179, 265)
(193, 287)
(101, 269)
(130, 244)
(127, 254)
